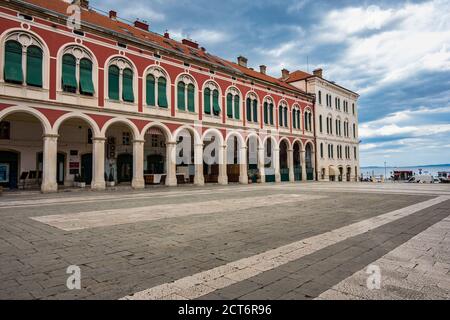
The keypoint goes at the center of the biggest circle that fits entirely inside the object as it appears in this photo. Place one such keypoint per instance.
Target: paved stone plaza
(272, 241)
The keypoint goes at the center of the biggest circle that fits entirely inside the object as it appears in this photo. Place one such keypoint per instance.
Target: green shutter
(113, 82)
(181, 103)
(207, 101)
(150, 90)
(271, 113)
(249, 109)
(13, 62)
(285, 117)
(230, 105)
(298, 119)
(86, 84)
(280, 116)
(237, 107)
(34, 66)
(162, 92)
(294, 123)
(69, 79)
(216, 107)
(191, 98)
(127, 89)
(266, 113)
(255, 110)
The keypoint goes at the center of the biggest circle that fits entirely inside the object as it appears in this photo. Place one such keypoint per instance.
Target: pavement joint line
(196, 286)
(112, 217)
(418, 268)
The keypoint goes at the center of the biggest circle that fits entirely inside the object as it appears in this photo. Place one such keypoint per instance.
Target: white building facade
(336, 126)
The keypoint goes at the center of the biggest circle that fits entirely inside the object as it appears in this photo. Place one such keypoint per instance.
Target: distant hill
(418, 166)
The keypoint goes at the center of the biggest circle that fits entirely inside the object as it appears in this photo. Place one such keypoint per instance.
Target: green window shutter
(216, 107)
(271, 113)
(249, 109)
(181, 103)
(280, 116)
(34, 66)
(298, 118)
(69, 79)
(13, 71)
(207, 101)
(162, 92)
(294, 122)
(266, 113)
(86, 84)
(230, 105)
(191, 97)
(320, 123)
(150, 90)
(285, 117)
(237, 107)
(127, 87)
(255, 110)
(113, 82)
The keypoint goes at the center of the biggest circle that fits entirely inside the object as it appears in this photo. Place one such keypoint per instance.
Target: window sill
(121, 102)
(25, 87)
(77, 95)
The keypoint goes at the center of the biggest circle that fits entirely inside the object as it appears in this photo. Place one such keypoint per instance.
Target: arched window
(186, 94)
(252, 107)
(76, 71)
(233, 104)
(23, 61)
(156, 88)
(308, 120)
(295, 118)
(320, 124)
(321, 150)
(320, 97)
(354, 131)
(211, 99)
(268, 111)
(121, 80)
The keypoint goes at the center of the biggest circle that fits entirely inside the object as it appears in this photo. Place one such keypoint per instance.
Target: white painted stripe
(111, 217)
(424, 261)
(208, 281)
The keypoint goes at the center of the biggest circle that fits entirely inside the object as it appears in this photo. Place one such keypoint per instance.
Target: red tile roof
(95, 18)
(297, 76)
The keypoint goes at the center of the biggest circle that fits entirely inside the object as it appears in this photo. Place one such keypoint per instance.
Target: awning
(332, 171)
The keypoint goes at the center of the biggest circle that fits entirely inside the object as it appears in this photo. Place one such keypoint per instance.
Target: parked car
(422, 178)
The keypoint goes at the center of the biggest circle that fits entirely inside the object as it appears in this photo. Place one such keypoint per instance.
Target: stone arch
(127, 122)
(78, 115)
(164, 129)
(46, 126)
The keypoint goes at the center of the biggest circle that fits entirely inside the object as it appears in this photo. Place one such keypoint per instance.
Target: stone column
(243, 173)
(98, 165)
(261, 168)
(313, 157)
(276, 160)
(223, 177)
(291, 165)
(171, 176)
(138, 164)
(303, 164)
(49, 183)
(198, 157)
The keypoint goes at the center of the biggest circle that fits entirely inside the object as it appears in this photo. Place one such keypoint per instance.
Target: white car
(422, 178)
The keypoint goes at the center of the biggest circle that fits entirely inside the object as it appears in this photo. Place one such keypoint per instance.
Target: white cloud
(142, 12)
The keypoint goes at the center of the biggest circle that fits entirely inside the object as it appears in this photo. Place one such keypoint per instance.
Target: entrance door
(9, 167)
(124, 167)
(86, 167)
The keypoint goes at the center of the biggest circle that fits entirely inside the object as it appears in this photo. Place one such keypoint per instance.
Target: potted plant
(76, 180)
(110, 182)
(82, 182)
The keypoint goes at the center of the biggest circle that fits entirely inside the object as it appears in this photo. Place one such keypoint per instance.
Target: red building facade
(145, 84)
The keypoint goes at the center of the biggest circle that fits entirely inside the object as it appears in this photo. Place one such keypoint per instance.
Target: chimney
(284, 74)
(141, 25)
(318, 73)
(242, 61)
(113, 15)
(166, 35)
(82, 3)
(190, 43)
(262, 69)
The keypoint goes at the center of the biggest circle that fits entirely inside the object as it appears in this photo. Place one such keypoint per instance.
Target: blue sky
(396, 54)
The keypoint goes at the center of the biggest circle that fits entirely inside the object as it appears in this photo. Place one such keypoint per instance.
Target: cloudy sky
(396, 54)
